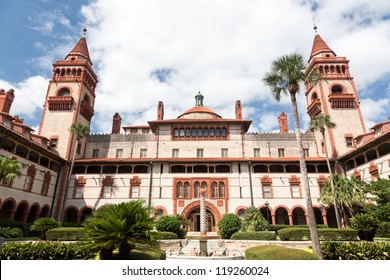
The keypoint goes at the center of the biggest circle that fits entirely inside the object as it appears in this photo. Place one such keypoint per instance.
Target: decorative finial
(315, 26)
(84, 31)
(199, 99)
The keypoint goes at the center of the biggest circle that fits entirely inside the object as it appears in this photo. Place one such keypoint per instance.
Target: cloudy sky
(144, 51)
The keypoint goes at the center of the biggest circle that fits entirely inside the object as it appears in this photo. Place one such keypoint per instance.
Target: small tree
(9, 169)
(254, 220)
(168, 223)
(228, 225)
(44, 224)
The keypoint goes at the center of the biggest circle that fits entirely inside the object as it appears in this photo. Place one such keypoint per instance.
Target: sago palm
(120, 226)
(285, 77)
(320, 123)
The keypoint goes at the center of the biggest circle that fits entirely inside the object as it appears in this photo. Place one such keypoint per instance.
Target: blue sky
(145, 51)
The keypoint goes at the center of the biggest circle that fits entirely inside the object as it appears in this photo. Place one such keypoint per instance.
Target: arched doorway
(7, 210)
(194, 218)
(298, 215)
(281, 216)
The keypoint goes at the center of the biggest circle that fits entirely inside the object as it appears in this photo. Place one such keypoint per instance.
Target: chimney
(160, 111)
(6, 99)
(282, 119)
(238, 110)
(116, 124)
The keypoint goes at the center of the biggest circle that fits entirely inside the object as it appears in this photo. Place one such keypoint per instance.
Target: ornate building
(168, 161)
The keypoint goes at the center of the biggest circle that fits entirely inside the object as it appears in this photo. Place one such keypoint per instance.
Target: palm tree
(9, 169)
(349, 195)
(80, 131)
(286, 75)
(120, 226)
(319, 123)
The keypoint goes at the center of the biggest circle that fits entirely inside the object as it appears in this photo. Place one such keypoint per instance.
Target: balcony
(314, 108)
(86, 110)
(342, 101)
(60, 103)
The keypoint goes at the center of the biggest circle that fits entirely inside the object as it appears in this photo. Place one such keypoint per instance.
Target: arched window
(188, 132)
(218, 132)
(206, 132)
(337, 89)
(200, 132)
(224, 132)
(193, 132)
(186, 190)
(314, 97)
(214, 189)
(196, 189)
(181, 132)
(221, 189)
(175, 132)
(179, 190)
(212, 132)
(64, 92)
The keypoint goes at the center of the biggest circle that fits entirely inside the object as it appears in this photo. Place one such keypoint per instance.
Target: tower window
(337, 89)
(64, 92)
(256, 152)
(349, 141)
(281, 152)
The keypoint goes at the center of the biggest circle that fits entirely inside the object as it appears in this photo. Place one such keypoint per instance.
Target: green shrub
(165, 235)
(333, 250)
(66, 234)
(141, 252)
(300, 234)
(383, 230)
(182, 233)
(254, 220)
(278, 226)
(43, 251)
(254, 235)
(272, 252)
(25, 227)
(366, 225)
(229, 224)
(8, 232)
(168, 223)
(44, 224)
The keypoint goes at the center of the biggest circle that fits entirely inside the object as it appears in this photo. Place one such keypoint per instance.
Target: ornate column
(202, 193)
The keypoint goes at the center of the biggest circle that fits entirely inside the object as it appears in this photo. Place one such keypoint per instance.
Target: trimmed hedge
(43, 251)
(333, 250)
(300, 234)
(383, 229)
(278, 227)
(165, 235)
(273, 252)
(140, 252)
(254, 235)
(25, 227)
(66, 234)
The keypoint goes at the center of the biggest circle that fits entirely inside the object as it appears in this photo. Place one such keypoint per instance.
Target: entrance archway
(191, 212)
(194, 218)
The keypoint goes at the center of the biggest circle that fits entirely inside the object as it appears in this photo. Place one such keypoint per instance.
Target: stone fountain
(204, 244)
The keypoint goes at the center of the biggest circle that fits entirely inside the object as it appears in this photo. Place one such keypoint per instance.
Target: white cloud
(220, 47)
(374, 109)
(222, 50)
(29, 97)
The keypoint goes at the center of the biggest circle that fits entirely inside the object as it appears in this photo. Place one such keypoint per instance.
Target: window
(143, 153)
(221, 189)
(196, 189)
(348, 141)
(199, 153)
(295, 191)
(54, 143)
(45, 187)
(106, 192)
(377, 131)
(28, 183)
(134, 191)
(176, 132)
(266, 191)
(214, 189)
(256, 152)
(79, 190)
(281, 152)
(186, 190)
(306, 152)
(175, 153)
(145, 131)
(224, 152)
(179, 190)
(119, 153)
(337, 89)
(95, 153)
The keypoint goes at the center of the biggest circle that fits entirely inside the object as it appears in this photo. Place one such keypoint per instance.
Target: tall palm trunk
(62, 213)
(336, 209)
(305, 181)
